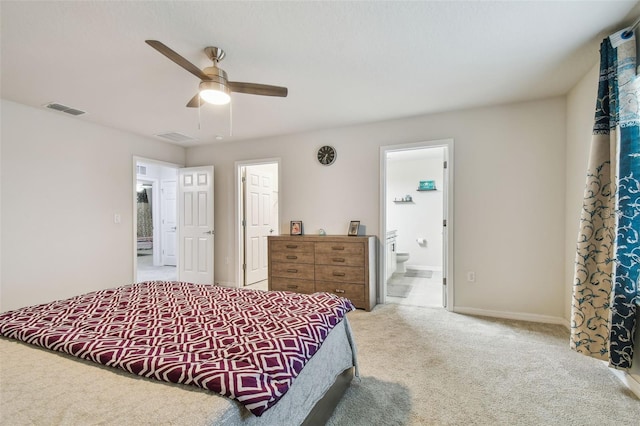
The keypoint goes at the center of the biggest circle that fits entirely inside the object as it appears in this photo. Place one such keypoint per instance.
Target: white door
(169, 211)
(195, 224)
(258, 222)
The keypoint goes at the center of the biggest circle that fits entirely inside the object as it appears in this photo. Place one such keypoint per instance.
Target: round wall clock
(327, 155)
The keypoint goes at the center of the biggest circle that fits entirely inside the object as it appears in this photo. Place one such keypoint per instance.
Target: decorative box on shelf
(427, 185)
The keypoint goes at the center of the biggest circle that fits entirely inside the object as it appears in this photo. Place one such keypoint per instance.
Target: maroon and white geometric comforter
(244, 344)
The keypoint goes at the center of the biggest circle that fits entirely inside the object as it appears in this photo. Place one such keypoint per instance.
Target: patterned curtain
(605, 288)
(145, 221)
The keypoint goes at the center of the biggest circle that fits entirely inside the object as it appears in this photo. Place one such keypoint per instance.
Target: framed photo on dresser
(353, 228)
(296, 227)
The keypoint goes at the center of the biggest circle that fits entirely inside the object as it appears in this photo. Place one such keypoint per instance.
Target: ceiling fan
(215, 88)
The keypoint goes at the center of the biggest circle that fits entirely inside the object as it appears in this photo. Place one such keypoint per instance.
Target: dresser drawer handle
(339, 274)
(292, 246)
(292, 271)
(337, 248)
(339, 291)
(292, 286)
(339, 259)
(292, 257)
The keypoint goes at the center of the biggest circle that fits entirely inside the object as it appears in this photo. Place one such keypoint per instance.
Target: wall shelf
(426, 190)
(403, 202)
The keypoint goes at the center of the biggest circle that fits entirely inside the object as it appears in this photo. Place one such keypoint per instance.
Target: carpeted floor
(426, 366)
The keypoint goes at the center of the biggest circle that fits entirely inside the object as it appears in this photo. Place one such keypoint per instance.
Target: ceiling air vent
(63, 108)
(176, 137)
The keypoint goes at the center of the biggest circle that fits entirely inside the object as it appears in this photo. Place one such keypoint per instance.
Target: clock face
(327, 155)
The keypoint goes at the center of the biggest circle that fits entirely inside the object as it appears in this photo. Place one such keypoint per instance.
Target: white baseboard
(226, 284)
(630, 380)
(511, 315)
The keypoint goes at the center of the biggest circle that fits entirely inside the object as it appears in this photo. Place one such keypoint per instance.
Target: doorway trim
(134, 207)
(239, 240)
(447, 255)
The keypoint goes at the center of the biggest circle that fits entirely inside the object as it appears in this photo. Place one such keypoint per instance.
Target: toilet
(401, 258)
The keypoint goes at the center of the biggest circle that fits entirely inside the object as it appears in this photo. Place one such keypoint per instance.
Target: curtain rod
(633, 27)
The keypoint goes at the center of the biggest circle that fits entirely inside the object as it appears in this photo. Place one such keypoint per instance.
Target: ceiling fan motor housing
(216, 74)
(215, 90)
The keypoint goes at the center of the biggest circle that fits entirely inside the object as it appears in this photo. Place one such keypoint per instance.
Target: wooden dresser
(334, 264)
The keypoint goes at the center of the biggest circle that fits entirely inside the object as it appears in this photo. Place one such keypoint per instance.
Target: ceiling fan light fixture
(214, 93)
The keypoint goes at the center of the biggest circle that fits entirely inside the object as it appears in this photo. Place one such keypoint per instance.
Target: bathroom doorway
(417, 233)
(155, 221)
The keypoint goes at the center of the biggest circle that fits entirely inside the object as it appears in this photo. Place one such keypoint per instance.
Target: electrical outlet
(471, 277)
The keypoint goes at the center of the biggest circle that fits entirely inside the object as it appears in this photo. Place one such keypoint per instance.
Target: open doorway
(258, 217)
(416, 224)
(155, 214)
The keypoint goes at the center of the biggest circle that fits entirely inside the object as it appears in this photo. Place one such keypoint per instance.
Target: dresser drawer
(299, 271)
(340, 253)
(292, 256)
(353, 292)
(292, 247)
(344, 274)
(291, 284)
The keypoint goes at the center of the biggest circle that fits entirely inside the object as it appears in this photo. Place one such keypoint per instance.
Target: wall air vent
(63, 108)
(141, 170)
(176, 137)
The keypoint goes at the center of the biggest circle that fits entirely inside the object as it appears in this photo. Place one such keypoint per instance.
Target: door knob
(271, 231)
(209, 232)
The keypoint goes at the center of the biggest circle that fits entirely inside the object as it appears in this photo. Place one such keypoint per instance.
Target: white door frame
(134, 208)
(447, 255)
(239, 249)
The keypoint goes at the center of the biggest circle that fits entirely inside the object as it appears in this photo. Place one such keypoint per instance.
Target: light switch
(116, 218)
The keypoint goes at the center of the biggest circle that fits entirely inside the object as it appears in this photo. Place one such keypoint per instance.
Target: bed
(176, 353)
(145, 243)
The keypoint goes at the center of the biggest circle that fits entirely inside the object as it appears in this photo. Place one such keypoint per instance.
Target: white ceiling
(344, 62)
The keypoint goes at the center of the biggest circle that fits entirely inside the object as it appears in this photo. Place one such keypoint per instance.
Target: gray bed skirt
(38, 386)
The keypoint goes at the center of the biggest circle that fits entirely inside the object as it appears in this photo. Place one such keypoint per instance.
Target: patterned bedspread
(245, 344)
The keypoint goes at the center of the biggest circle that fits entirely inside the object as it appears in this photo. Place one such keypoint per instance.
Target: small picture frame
(353, 228)
(296, 227)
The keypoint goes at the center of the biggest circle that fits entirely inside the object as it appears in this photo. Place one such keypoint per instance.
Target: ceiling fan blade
(175, 57)
(258, 89)
(195, 102)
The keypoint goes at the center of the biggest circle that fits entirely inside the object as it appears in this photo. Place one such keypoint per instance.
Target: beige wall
(517, 197)
(509, 196)
(63, 179)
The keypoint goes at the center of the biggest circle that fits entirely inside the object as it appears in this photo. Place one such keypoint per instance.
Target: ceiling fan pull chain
(199, 117)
